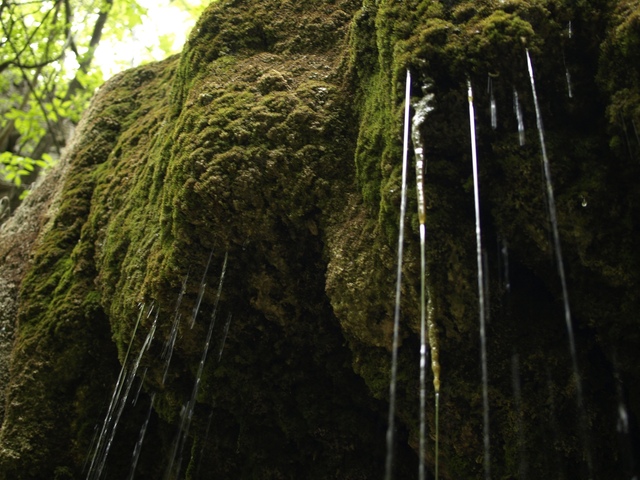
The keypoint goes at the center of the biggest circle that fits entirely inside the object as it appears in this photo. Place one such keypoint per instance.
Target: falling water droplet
(569, 89)
(504, 254)
(623, 419)
(567, 76)
(584, 201)
(494, 114)
(570, 29)
(481, 300)
(626, 453)
(518, 111)
(494, 109)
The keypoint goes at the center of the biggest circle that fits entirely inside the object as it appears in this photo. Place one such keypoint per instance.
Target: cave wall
(274, 142)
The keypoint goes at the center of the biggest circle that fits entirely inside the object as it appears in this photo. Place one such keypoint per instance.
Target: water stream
(517, 108)
(396, 318)
(203, 286)
(564, 60)
(167, 351)
(551, 205)
(98, 447)
(481, 287)
(119, 400)
(138, 447)
(422, 109)
(175, 459)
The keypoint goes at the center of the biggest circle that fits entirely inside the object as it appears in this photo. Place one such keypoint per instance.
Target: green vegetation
(48, 74)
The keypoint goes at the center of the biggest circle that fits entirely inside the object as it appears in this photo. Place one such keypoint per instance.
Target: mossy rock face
(270, 150)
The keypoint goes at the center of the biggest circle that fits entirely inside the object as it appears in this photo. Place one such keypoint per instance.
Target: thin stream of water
(167, 351)
(224, 337)
(203, 286)
(396, 317)
(423, 351)
(423, 321)
(551, 204)
(568, 77)
(113, 417)
(173, 468)
(569, 88)
(481, 287)
(138, 447)
(139, 389)
(115, 398)
(204, 444)
(564, 61)
(554, 222)
(123, 402)
(422, 109)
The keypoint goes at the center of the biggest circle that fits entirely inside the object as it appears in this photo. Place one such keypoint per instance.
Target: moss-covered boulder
(218, 247)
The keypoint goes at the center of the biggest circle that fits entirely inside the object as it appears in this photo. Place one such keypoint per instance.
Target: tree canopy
(48, 74)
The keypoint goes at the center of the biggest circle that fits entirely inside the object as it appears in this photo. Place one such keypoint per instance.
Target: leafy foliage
(48, 73)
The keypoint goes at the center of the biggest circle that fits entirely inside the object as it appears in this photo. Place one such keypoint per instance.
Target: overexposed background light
(163, 31)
